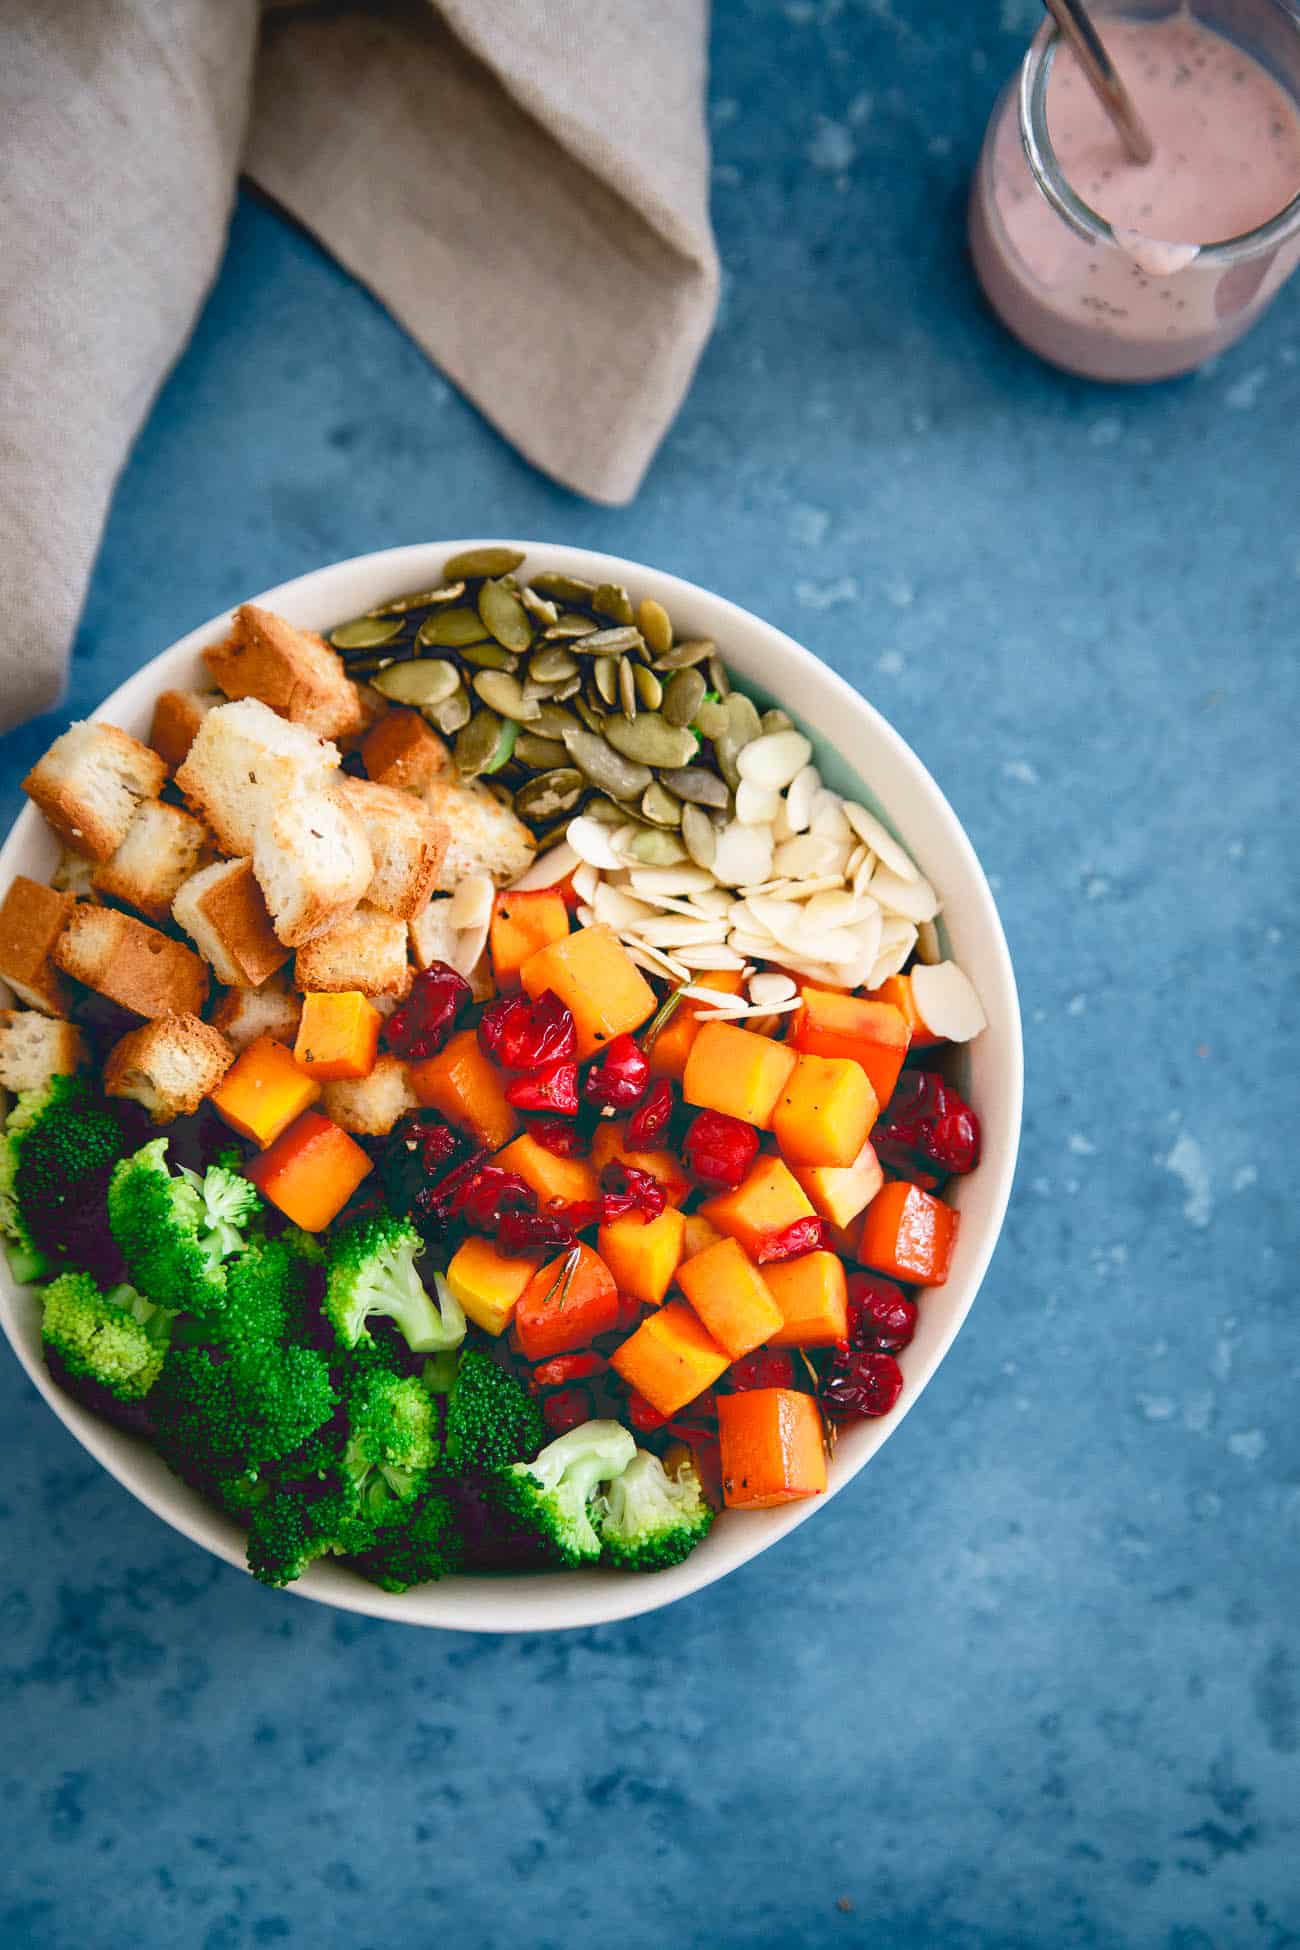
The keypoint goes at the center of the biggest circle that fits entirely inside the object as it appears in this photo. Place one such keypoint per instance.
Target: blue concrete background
(1033, 1680)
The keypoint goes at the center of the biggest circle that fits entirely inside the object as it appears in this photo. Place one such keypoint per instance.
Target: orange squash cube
(825, 1112)
(908, 1234)
(488, 1285)
(468, 1089)
(839, 1193)
(566, 1304)
(700, 1232)
(731, 1297)
(773, 1448)
(609, 1146)
(874, 1034)
(673, 1044)
(522, 924)
(670, 1359)
(813, 1295)
(310, 1172)
(263, 1091)
(597, 980)
(643, 1254)
(897, 990)
(767, 1200)
(732, 1070)
(549, 1175)
(338, 1035)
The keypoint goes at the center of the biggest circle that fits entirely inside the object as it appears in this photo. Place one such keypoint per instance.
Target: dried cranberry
(643, 1415)
(619, 1079)
(426, 1019)
(791, 1242)
(880, 1314)
(575, 1212)
(629, 1314)
(481, 1199)
(523, 1035)
(860, 1382)
(625, 1190)
(650, 1120)
(766, 1367)
(418, 1153)
(521, 1233)
(698, 1418)
(565, 1140)
(567, 1408)
(720, 1149)
(555, 1089)
(563, 1369)
(928, 1132)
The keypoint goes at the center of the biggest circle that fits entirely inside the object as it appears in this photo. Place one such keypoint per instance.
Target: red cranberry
(791, 1242)
(618, 1079)
(624, 1190)
(630, 1310)
(860, 1383)
(880, 1314)
(554, 1134)
(426, 1019)
(766, 1367)
(928, 1132)
(698, 1418)
(575, 1212)
(555, 1089)
(521, 1233)
(563, 1369)
(643, 1415)
(720, 1149)
(650, 1120)
(523, 1035)
(481, 1199)
(567, 1408)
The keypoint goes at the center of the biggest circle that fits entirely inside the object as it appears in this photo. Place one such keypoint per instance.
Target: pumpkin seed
(698, 786)
(656, 625)
(482, 562)
(505, 616)
(609, 770)
(604, 677)
(691, 650)
(605, 811)
(504, 694)
(476, 745)
(489, 656)
(651, 740)
(611, 599)
(743, 726)
(564, 589)
(538, 606)
(551, 721)
(451, 715)
(447, 592)
(364, 666)
(610, 643)
(773, 721)
(552, 664)
(545, 837)
(451, 627)
(570, 625)
(683, 696)
(563, 692)
(654, 848)
(718, 677)
(366, 633)
(626, 685)
(659, 806)
(550, 793)
(535, 692)
(649, 690)
(711, 718)
(504, 751)
(541, 754)
(699, 835)
(593, 720)
(424, 681)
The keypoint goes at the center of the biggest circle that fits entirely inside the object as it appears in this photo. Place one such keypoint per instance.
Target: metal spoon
(1077, 26)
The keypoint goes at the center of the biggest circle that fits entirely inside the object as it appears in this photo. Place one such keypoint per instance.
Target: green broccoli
(58, 1150)
(372, 1272)
(491, 1418)
(291, 1526)
(440, 1370)
(176, 1231)
(392, 1443)
(116, 1340)
(427, 1545)
(269, 1292)
(218, 1412)
(552, 1495)
(649, 1519)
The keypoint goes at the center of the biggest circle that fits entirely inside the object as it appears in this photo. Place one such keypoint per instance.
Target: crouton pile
(284, 834)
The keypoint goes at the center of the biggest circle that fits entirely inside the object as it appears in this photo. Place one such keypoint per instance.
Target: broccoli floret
(649, 1519)
(291, 1526)
(218, 1411)
(116, 1340)
(269, 1294)
(392, 1443)
(552, 1495)
(372, 1272)
(427, 1545)
(440, 1370)
(57, 1156)
(177, 1230)
(491, 1418)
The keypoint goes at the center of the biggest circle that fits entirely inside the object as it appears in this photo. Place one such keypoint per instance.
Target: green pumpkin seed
(656, 625)
(423, 681)
(550, 793)
(562, 588)
(609, 770)
(504, 694)
(551, 721)
(650, 740)
(743, 726)
(691, 650)
(649, 690)
(610, 643)
(452, 715)
(604, 681)
(476, 745)
(552, 664)
(626, 685)
(612, 600)
(659, 806)
(718, 678)
(774, 721)
(489, 656)
(593, 719)
(505, 616)
(570, 688)
(699, 835)
(569, 626)
(711, 718)
(698, 786)
(505, 747)
(683, 696)
(364, 666)
(447, 592)
(365, 633)
(605, 811)
(538, 606)
(545, 837)
(653, 848)
(539, 754)
(482, 562)
(453, 628)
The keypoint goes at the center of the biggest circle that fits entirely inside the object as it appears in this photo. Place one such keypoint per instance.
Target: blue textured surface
(1032, 1680)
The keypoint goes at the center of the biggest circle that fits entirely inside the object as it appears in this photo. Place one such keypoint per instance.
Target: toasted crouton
(141, 970)
(366, 951)
(402, 751)
(243, 1014)
(313, 864)
(34, 1048)
(177, 716)
(371, 706)
(222, 910)
(169, 1066)
(407, 843)
(75, 875)
(293, 671)
(483, 836)
(163, 845)
(242, 761)
(32, 918)
(89, 784)
(371, 1105)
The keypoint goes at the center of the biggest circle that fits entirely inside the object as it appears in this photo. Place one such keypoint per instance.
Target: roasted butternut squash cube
(609, 1146)
(897, 990)
(263, 1091)
(310, 1172)
(468, 1089)
(673, 1044)
(338, 1036)
(700, 1232)
(670, 1359)
(568, 1303)
(549, 1175)
(908, 1234)
(737, 1072)
(731, 1297)
(825, 1112)
(839, 1194)
(813, 1295)
(874, 1034)
(597, 980)
(522, 925)
(643, 1254)
(773, 1448)
(767, 1200)
(488, 1285)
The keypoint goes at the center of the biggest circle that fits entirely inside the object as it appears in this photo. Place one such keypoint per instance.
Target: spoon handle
(1076, 25)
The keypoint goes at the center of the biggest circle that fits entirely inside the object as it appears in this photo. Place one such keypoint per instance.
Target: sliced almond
(828, 820)
(548, 868)
(807, 855)
(670, 880)
(928, 947)
(471, 904)
(593, 843)
(617, 908)
(744, 855)
(755, 804)
(774, 760)
(914, 899)
(767, 990)
(709, 958)
(947, 1002)
(799, 800)
(874, 834)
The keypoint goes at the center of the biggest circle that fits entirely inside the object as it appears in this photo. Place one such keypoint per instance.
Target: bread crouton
(242, 761)
(366, 952)
(163, 846)
(293, 671)
(222, 910)
(89, 784)
(370, 1106)
(407, 843)
(402, 751)
(75, 875)
(371, 707)
(169, 1065)
(244, 1014)
(483, 836)
(144, 972)
(32, 918)
(34, 1048)
(313, 864)
(177, 716)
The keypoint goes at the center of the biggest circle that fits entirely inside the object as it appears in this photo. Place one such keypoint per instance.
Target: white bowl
(856, 749)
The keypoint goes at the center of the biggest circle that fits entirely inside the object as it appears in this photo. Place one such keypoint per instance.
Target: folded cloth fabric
(535, 215)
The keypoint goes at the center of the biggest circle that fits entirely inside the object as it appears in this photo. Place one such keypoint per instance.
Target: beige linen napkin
(524, 183)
